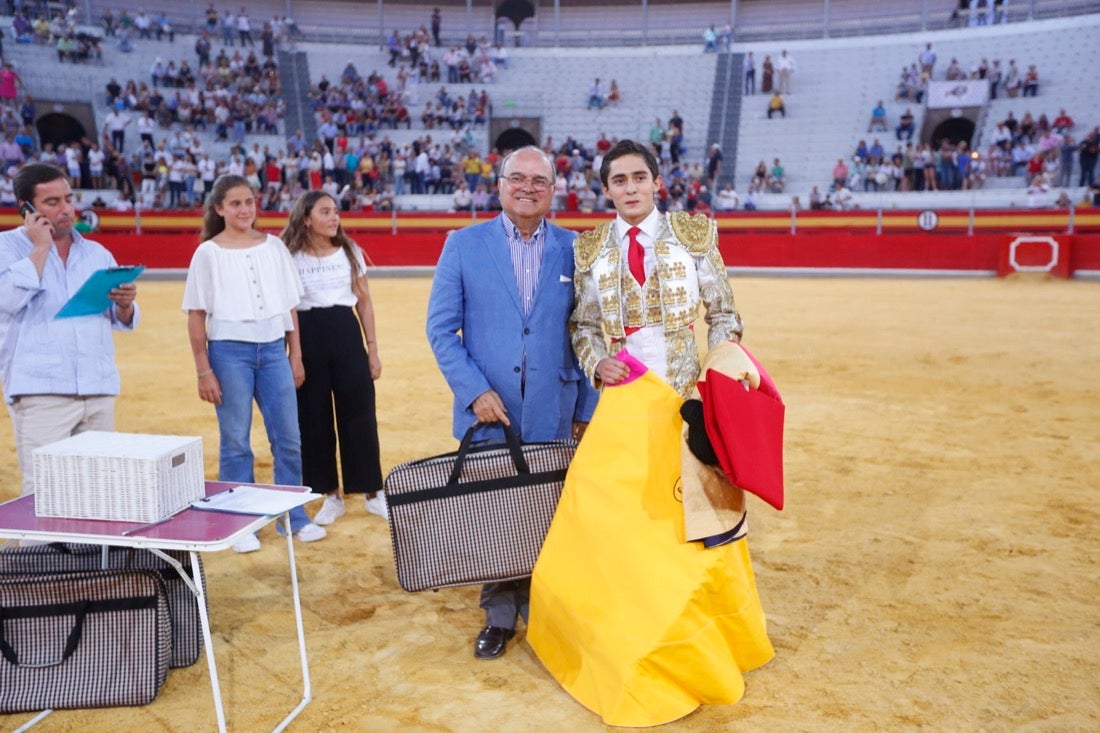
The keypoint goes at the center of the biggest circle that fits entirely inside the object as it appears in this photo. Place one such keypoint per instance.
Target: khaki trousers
(39, 420)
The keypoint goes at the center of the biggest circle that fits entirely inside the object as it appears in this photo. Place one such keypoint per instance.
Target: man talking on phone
(59, 374)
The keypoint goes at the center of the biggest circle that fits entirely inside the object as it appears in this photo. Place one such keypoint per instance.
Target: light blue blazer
(480, 338)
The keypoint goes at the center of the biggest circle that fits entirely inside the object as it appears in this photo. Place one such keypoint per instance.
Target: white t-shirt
(247, 293)
(208, 169)
(7, 191)
(116, 121)
(177, 170)
(146, 126)
(72, 160)
(95, 160)
(327, 280)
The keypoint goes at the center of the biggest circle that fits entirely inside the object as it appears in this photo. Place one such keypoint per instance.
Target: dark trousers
(1088, 170)
(337, 377)
(504, 601)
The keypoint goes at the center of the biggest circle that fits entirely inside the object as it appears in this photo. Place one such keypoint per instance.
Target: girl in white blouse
(337, 398)
(241, 294)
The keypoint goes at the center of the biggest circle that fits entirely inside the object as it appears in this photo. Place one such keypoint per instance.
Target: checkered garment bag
(62, 557)
(477, 515)
(83, 640)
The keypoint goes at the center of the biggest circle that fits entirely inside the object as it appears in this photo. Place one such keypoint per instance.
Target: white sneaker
(331, 510)
(377, 505)
(248, 543)
(310, 533)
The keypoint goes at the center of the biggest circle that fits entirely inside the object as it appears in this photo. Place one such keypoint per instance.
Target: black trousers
(338, 385)
(504, 601)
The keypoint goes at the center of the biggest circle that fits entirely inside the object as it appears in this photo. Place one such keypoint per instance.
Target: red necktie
(635, 256)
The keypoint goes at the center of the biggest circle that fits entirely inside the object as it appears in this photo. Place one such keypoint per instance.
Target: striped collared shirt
(526, 259)
(41, 354)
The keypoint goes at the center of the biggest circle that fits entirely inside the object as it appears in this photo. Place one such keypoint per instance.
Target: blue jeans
(261, 371)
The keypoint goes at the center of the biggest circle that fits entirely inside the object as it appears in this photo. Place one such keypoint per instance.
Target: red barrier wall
(757, 239)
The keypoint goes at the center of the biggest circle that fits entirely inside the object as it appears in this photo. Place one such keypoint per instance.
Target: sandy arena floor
(937, 566)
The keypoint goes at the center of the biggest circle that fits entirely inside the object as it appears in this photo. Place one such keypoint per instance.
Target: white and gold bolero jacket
(689, 271)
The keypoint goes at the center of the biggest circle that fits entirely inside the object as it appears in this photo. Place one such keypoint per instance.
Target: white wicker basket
(122, 477)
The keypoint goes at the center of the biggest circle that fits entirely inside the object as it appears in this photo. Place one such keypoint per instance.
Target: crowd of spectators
(775, 76)
(685, 186)
(1028, 147)
(975, 13)
(1006, 80)
(235, 94)
(1032, 148)
(361, 104)
(473, 62)
(667, 140)
(60, 31)
(712, 37)
(598, 98)
(775, 80)
(152, 152)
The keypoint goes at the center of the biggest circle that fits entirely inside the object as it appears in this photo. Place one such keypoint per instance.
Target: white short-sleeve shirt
(327, 279)
(247, 293)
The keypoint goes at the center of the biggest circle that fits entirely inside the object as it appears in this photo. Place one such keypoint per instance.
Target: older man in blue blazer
(498, 326)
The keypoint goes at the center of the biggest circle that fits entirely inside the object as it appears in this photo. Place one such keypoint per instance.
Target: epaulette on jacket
(588, 245)
(696, 232)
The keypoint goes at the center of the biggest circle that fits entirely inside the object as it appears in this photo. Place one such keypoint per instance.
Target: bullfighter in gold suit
(635, 619)
(659, 316)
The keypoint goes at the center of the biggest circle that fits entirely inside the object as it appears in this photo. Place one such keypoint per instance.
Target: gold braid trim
(696, 232)
(588, 245)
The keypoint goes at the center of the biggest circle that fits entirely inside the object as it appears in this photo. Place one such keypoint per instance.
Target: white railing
(645, 23)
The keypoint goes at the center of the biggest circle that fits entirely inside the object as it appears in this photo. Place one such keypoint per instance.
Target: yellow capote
(638, 625)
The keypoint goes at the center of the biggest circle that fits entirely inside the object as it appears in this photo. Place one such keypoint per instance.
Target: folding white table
(192, 531)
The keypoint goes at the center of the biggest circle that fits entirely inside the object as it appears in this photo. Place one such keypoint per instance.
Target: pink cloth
(637, 368)
(7, 84)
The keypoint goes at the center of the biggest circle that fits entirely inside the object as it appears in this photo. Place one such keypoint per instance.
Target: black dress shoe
(490, 642)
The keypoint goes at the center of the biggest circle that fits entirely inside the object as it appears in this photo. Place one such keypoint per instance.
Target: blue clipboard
(92, 296)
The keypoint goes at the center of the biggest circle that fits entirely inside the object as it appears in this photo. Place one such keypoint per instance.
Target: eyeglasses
(538, 183)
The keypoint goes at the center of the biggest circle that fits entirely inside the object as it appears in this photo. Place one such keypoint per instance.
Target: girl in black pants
(335, 317)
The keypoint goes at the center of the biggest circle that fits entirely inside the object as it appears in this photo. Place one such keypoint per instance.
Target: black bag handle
(81, 610)
(514, 447)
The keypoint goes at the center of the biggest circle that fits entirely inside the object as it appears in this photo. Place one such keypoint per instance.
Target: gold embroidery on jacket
(688, 272)
(695, 232)
(587, 246)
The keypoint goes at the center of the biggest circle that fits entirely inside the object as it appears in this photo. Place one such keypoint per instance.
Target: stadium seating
(836, 84)
(830, 104)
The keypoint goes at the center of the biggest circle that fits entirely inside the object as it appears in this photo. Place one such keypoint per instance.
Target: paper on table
(254, 500)
(93, 297)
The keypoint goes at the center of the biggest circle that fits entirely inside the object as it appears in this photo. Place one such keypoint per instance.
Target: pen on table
(130, 531)
(223, 491)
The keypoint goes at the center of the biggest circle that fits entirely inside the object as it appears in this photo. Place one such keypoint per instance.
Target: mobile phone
(26, 209)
